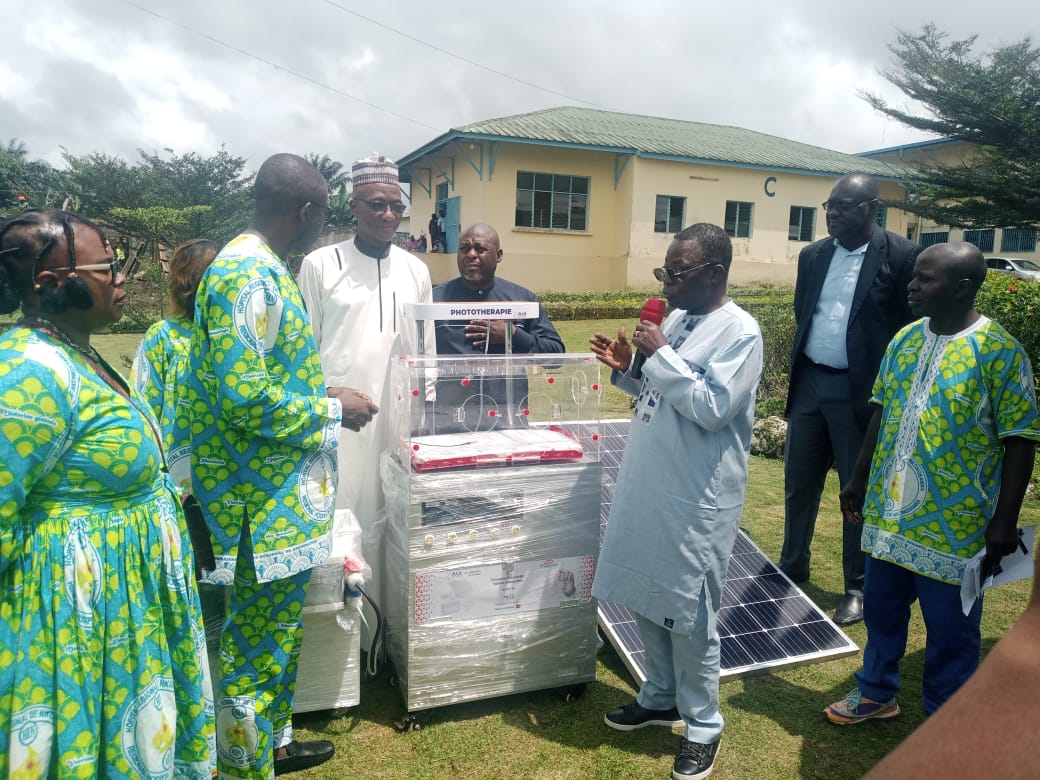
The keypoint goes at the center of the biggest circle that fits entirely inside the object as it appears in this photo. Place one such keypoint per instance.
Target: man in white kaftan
(355, 293)
(680, 491)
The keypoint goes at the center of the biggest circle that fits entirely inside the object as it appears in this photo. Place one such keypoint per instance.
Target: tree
(110, 189)
(992, 102)
(339, 195)
(159, 225)
(34, 180)
(217, 182)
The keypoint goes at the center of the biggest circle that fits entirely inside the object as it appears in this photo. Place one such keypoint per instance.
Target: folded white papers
(1016, 566)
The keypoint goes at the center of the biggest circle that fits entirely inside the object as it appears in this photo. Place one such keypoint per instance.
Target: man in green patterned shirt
(940, 478)
(264, 431)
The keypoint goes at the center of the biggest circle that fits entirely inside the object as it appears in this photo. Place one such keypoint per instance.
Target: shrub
(1015, 304)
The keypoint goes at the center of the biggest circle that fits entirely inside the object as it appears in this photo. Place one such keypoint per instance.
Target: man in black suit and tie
(849, 299)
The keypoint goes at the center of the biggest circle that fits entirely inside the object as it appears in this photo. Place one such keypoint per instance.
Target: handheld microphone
(653, 310)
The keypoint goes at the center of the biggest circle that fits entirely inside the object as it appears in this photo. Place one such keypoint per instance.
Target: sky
(345, 78)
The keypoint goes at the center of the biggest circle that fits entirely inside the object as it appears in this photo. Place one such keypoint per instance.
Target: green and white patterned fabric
(102, 670)
(948, 402)
(164, 352)
(262, 429)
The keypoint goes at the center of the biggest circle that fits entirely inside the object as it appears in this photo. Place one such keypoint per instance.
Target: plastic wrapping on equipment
(329, 672)
(489, 565)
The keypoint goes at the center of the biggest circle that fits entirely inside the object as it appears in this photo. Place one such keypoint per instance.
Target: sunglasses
(671, 275)
(380, 206)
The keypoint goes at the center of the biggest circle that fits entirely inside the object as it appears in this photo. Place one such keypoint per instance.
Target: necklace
(48, 327)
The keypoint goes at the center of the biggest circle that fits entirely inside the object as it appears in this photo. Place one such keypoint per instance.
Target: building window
(738, 219)
(935, 237)
(1018, 240)
(552, 201)
(442, 196)
(983, 239)
(668, 214)
(802, 225)
(882, 215)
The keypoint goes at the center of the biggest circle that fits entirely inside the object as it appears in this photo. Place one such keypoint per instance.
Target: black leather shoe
(850, 610)
(301, 755)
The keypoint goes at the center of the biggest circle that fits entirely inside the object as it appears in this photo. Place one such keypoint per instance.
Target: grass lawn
(774, 725)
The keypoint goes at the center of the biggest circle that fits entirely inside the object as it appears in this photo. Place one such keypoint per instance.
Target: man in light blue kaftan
(264, 433)
(680, 491)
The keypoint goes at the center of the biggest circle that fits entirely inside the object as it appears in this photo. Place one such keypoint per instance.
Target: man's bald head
(861, 185)
(960, 260)
(485, 231)
(479, 255)
(287, 181)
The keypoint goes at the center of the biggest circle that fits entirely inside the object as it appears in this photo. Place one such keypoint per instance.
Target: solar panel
(765, 621)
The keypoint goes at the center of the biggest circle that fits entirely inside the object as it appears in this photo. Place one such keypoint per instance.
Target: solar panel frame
(765, 622)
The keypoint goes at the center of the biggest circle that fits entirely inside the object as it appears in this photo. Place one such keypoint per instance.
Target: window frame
(735, 230)
(670, 201)
(575, 201)
(801, 224)
(933, 237)
(1024, 239)
(980, 235)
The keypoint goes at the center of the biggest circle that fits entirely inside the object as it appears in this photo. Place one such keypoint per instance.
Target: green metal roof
(646, 136)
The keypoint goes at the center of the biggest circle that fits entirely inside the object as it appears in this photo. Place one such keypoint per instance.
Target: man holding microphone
(680, 491)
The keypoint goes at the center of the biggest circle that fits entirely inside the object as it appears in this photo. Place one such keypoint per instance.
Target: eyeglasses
(115, 266)
(380, 206)
(844, 205)
(666, 274)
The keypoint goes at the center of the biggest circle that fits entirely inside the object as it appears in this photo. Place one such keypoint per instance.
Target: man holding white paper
(949, 453)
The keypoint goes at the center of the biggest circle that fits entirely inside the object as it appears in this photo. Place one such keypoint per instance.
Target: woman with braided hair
(101, 643)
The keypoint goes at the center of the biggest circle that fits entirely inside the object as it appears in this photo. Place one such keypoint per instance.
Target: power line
(459, 57)
(282, 68)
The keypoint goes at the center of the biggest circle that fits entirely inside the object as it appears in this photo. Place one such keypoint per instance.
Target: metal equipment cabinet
(492, 534)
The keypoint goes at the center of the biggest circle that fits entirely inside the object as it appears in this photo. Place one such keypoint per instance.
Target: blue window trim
(797, 220)
(739, 225)
(673, 222)
(576, 201)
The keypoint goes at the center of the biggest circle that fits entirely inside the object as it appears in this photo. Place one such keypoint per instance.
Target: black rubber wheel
(574, 693)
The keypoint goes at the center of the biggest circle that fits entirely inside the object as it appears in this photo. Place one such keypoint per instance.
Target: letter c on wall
(769, 180)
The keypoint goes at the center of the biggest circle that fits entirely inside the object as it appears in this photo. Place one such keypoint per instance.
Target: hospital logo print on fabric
(32, 733)
(149, 730)
(255, 323)
(318, 485)
(237, 736)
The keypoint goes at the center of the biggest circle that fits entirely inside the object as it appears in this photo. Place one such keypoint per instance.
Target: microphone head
(653, 310)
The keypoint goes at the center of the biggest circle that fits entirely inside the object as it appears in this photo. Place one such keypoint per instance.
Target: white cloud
(110, 77)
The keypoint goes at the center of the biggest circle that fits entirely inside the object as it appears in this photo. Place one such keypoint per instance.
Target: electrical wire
(458, 57)
(282, 68)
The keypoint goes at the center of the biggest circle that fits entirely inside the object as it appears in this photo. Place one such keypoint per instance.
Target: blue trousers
(953, 640)
(683, 672)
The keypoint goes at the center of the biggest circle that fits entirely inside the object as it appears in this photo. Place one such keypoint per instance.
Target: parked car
(1015, 266)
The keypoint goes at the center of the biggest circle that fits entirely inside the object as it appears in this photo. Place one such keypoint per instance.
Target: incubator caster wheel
(574, 693)
(392, 680)
(408, 723)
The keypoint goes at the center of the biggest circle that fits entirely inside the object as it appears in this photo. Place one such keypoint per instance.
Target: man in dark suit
(850, 299)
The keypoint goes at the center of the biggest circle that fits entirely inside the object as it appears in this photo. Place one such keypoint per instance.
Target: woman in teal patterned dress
(101, 643)
(164, 351)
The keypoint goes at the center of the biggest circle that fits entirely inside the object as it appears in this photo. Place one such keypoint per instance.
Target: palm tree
(339, 195)
(335, 176)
